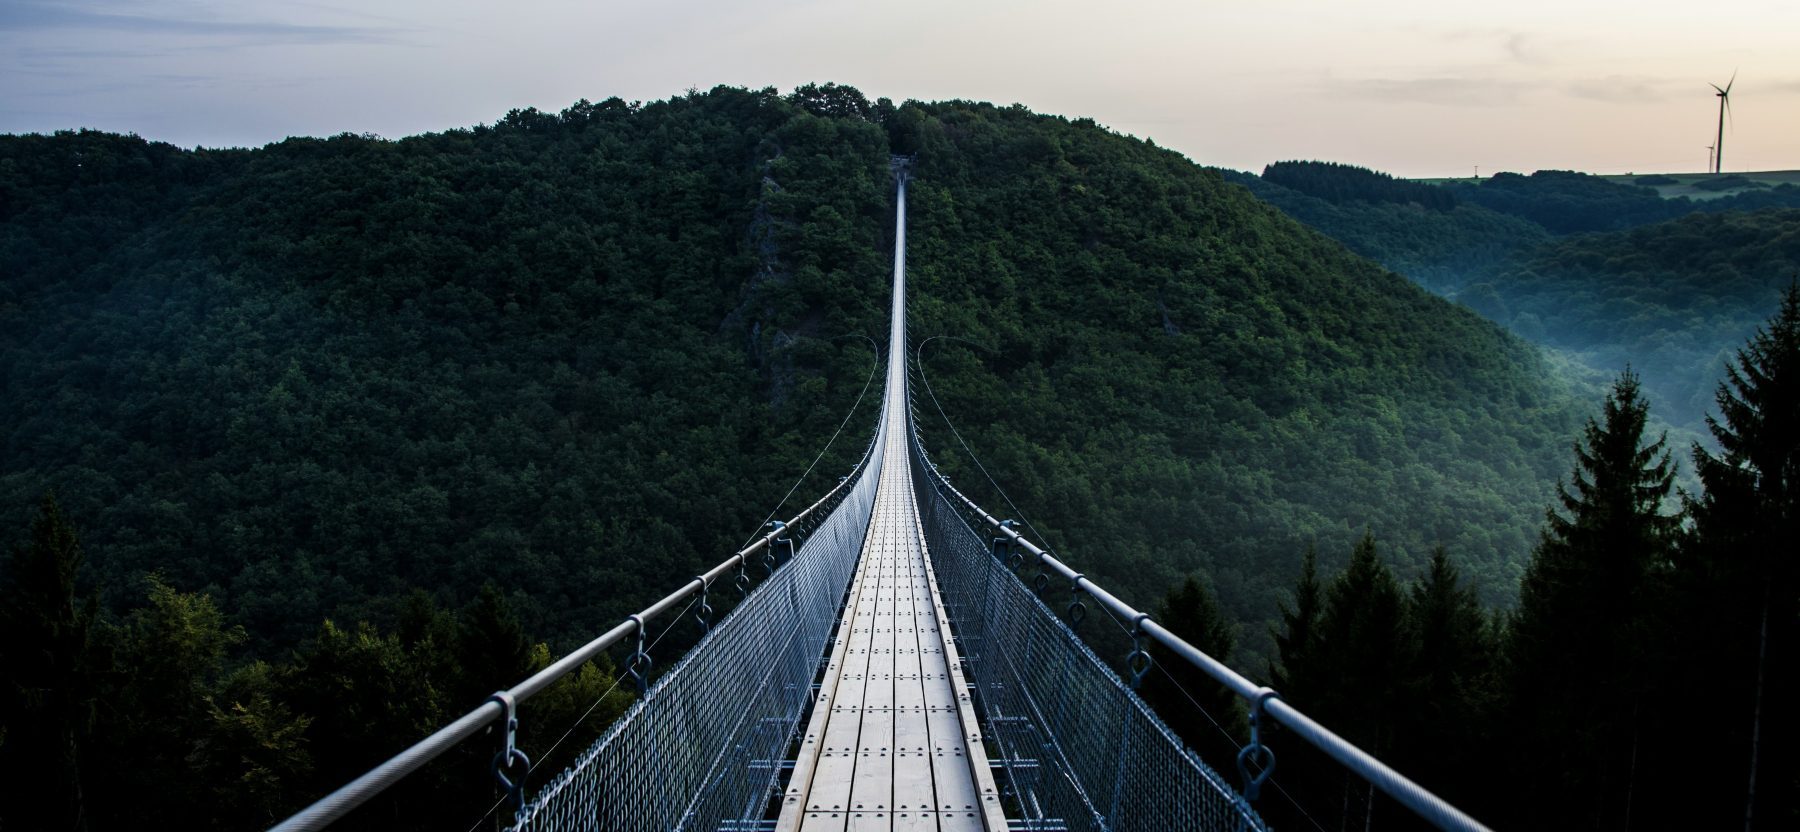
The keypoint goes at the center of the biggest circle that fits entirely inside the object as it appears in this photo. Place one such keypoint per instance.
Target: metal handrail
(1421, 801)
(331, 807)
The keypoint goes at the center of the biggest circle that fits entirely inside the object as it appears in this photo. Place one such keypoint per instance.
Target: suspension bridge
(892, 671)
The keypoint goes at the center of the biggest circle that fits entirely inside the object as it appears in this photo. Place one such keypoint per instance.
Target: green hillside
(579, 355)
(573, 355)
(1181, 378)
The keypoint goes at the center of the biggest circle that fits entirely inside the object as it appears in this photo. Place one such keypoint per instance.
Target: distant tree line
(1569, 202)
(1338, 183)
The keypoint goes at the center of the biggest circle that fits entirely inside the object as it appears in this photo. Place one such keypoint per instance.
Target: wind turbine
(1709, 159)
(1724, 107)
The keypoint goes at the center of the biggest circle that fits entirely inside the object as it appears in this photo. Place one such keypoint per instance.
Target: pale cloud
(1446, 91)
(173, 19)
(1623, 89)
(1514, 45)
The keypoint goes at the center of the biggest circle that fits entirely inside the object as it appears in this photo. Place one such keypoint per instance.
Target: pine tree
(1295, 642)
(1578, 642)
(1204, 713)
(1741, 567)
(366, 698)
(1302, 678)
(1364, 651)
(492, 648)
(49, 661)
(1450, 685)
(1362, 644)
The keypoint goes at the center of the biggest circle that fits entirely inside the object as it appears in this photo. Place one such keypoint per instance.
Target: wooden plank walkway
(893, 743)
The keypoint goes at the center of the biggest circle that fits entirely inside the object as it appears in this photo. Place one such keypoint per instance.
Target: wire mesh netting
(703, 748)
(1076, 746)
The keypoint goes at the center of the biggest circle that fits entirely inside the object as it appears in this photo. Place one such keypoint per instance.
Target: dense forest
(1637, 682)
(348, 432)
(1440, 249)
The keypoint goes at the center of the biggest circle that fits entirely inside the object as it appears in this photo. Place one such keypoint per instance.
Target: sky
(1414, 88)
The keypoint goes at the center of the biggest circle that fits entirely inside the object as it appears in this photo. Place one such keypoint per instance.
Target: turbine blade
(1716, 87)
(1730, 82)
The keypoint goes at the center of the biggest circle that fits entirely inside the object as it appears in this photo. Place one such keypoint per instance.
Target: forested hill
(1607, 273)
(578, 355)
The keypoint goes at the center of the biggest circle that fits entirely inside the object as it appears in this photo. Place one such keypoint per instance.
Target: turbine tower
(1724, 107)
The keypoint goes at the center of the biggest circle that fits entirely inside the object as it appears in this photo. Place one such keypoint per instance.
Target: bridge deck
(893, 742)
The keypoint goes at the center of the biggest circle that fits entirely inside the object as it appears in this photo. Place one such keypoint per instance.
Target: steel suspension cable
(919, 362)
(834, 435)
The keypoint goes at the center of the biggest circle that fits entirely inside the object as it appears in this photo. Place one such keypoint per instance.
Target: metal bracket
(638, 666)
(704, 612)
(1255, 753)
(510, 755)
(1139, 661)
(1077, 611)
(768, 562)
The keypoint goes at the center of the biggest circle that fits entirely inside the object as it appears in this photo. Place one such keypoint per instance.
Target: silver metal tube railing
(334, 806)
(1417, 798)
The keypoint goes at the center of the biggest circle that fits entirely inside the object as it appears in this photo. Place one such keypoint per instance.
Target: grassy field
(1684, 184)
